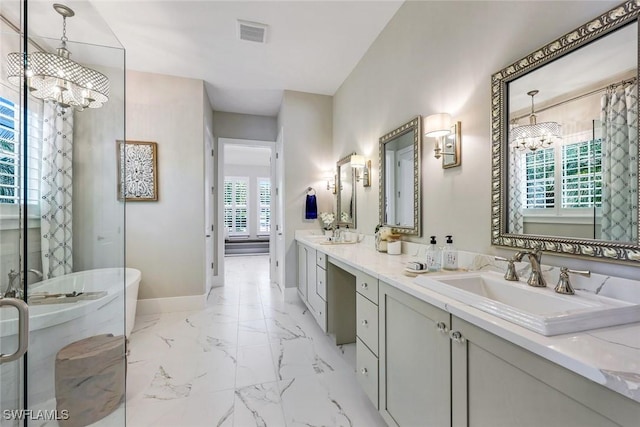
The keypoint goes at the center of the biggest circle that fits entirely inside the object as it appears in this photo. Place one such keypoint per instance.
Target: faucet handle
(564, 284)
(511, 273)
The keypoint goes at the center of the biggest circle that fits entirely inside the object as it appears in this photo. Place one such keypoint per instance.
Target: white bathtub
(53, 326)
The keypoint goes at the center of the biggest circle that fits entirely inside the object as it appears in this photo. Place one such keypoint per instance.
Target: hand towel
(311, 207)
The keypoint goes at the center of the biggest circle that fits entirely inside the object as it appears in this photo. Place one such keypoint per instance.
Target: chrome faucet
(564, 284)
(511, 274)
(13, 290)
(536, 278)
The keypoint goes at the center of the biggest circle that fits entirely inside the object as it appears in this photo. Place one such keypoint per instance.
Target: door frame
(219, 232)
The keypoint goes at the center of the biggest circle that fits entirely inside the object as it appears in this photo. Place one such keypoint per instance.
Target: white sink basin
(539, 309)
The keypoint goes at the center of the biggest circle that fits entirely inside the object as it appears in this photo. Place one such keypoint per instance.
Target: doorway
(246, 200)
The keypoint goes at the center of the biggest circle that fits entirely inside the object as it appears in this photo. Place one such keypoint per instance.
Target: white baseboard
(171, 304)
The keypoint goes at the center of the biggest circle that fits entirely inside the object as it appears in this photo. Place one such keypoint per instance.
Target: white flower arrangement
(327, 219)
(344, 217)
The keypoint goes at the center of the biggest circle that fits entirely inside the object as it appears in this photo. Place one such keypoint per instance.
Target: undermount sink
(539, 309)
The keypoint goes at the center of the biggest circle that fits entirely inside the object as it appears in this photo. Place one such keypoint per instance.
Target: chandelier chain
(64, 30)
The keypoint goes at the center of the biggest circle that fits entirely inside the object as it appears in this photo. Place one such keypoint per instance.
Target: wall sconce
(437, 126)
(448, 138)
(331, 182)
(358, 162)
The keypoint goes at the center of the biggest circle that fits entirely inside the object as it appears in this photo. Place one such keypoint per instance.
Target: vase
(328, 233)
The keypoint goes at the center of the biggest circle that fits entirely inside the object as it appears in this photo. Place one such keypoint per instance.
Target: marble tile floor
(247, 359)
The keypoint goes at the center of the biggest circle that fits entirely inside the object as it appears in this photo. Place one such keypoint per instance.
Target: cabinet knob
(365, 322)
(364, 286)
(442, 327)
(364, 371)
(456, 336)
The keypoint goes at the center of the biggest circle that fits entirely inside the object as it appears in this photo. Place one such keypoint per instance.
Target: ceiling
(312, 46)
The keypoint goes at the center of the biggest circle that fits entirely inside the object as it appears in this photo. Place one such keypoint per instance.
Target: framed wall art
(137, 171)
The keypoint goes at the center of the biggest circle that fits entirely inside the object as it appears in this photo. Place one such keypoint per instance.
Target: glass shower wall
(12, 389)
(64, 230)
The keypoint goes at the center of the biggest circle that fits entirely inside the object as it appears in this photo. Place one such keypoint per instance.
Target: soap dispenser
(449, 255)
(433, 255)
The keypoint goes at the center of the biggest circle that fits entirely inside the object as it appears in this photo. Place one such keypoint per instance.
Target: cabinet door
(496, 383)
(302, 271)
(415, 384)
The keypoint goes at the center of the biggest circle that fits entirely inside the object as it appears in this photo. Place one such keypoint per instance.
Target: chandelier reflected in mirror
(55, 77)
(534, 135)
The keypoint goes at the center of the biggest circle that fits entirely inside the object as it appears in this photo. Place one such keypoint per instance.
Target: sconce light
(358, 162)
(331, 182)
(437, 126)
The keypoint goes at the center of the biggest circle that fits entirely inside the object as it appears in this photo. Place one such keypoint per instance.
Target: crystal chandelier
(56, 78)
(534, 135)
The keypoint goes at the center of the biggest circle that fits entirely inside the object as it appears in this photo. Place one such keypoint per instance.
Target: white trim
(171, 304)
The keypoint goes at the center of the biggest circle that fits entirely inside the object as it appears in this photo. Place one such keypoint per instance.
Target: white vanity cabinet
(436, 369)
(367, 334)
(497, 383)
(312, 278)
(415, 357)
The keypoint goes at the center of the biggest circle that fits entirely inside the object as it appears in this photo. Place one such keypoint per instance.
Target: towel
(311, 207)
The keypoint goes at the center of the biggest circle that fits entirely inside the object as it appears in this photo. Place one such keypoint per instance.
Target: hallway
(248, 359)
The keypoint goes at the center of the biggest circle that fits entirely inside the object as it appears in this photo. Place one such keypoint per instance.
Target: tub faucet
(37, 273)
(14, 290)
(536, 278)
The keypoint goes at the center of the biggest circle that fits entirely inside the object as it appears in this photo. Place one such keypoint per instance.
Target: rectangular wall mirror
(565, 143)
(399, 197)
(346, 190)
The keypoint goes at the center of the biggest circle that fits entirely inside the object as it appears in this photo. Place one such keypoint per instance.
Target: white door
(277, 225)
(210, 213)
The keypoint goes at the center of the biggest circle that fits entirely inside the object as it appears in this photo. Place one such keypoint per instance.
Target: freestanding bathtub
(58, 323)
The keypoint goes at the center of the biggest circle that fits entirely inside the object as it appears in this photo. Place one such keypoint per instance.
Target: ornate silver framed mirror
(346, 193)
(400, 190)
(564, 129)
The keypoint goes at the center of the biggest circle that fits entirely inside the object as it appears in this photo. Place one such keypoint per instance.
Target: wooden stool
(90, 379)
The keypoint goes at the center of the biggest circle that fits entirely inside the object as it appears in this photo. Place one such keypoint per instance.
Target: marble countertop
(608, 356)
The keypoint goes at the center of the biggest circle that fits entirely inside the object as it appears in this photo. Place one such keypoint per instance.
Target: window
(540, 178)
(568, 176)
(236, 193)
(582, 174)
(10, 167)
(264, 206)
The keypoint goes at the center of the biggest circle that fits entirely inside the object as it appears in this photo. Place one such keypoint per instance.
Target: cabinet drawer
(321, 259)
(367, 285)
(318, 308)
(321, 282)
(367, 322)
(367, 371)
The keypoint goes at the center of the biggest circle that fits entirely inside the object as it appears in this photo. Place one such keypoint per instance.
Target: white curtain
(56, 191)
(517, 191)
(619, 116)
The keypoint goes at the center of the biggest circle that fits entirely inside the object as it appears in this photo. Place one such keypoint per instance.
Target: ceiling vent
(252, 31)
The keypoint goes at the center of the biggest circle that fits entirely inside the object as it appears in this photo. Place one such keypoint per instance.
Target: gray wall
(244, 126)
(98, 215)
(408, 72)
(306, 122)
(165, 239)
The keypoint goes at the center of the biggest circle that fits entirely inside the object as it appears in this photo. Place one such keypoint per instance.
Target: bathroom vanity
(424, 358)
